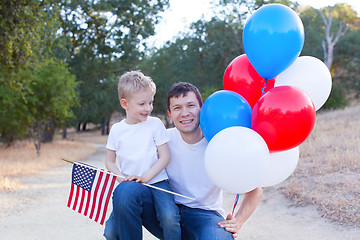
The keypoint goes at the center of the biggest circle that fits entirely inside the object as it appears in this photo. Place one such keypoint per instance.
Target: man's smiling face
(184, 112)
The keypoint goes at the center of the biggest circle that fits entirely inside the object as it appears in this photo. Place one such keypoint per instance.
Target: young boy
(140, 144)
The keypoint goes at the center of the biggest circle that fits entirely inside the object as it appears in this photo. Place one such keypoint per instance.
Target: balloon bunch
(268, 106)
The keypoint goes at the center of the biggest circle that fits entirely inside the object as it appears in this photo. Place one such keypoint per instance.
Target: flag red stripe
(102, 197)
(95, 195)
(113, 180)
(76, 197)
(71, 194)
(82, 199)
(88, 197)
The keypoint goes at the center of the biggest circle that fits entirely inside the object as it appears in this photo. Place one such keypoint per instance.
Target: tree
(26, 49)
(345, 58)
(347, 62)
(14, 117)
(200, 57)
(19, 22)
(203, 54)
(314, 33)
(330, 40)
(51, 99)
(104, 38)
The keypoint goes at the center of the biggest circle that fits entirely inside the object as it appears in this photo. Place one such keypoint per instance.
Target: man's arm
(250, 202)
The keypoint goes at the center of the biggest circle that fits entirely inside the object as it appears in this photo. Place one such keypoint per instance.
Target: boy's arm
(160, 164)
(110, 163)
(247, 207)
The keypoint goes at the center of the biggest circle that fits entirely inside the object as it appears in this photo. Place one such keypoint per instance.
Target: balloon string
(236, 202)
(265, 85)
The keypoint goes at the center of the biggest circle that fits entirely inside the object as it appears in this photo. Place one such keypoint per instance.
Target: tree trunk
(64, 134)
(329, 42)
(105, 127)
(49, 131)
(36, 133)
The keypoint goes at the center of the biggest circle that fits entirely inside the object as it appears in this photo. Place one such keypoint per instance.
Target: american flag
(90, 192)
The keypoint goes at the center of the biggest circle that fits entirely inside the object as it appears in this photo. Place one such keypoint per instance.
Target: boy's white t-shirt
(136, 146)
(187, 174)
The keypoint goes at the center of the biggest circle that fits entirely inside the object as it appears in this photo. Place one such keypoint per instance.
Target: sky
(183, 12)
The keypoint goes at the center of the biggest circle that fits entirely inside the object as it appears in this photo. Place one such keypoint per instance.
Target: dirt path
(38, 211)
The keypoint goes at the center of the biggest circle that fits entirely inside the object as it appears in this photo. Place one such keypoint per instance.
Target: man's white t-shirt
(136, 146)
(187, 174)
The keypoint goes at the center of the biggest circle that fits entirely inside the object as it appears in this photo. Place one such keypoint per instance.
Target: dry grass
(21, 159)
(328, 171)
(87, 136)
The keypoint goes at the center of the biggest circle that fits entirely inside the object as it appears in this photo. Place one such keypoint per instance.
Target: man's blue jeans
(202, 224)
(133, 207)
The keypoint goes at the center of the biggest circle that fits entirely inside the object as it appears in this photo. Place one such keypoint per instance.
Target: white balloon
(282, 165)
(309, 74)
(237, 159)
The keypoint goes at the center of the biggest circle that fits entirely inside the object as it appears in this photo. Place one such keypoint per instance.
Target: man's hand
(231, 225)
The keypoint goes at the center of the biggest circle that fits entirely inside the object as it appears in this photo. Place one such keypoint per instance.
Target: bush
(337, 98)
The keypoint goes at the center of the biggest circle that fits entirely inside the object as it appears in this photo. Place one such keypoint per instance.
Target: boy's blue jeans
(167, 211)
(133, 206)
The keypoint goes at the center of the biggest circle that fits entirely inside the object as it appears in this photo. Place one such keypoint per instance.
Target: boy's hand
(119, 179)
(134, 178)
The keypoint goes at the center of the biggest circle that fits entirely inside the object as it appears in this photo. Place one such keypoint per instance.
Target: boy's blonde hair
(132, 82)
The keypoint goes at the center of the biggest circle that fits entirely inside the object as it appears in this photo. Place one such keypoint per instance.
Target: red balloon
(241, 77)
(284, 117)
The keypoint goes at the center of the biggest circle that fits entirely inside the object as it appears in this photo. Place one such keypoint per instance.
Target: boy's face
(139, 106)
(185, 112)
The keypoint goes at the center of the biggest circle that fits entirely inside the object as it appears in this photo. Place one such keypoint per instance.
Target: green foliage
(52, 92)
(21, 25)
(337, 98)
(99, 40)
(34, 86)
(14, 117)
(200, 58)
(314, 33)
(345, 68)
(160, 66)
(292, 4)
(347, 57)
(103, 39)
(50, 97)
(342, 12)
(207, 91)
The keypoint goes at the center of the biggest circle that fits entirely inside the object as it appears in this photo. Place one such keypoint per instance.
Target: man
(200, 219)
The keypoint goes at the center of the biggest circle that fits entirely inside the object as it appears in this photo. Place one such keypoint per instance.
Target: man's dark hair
(182, 89)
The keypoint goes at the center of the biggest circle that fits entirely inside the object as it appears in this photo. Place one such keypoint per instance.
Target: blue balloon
(224, 109)
(273, 38)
